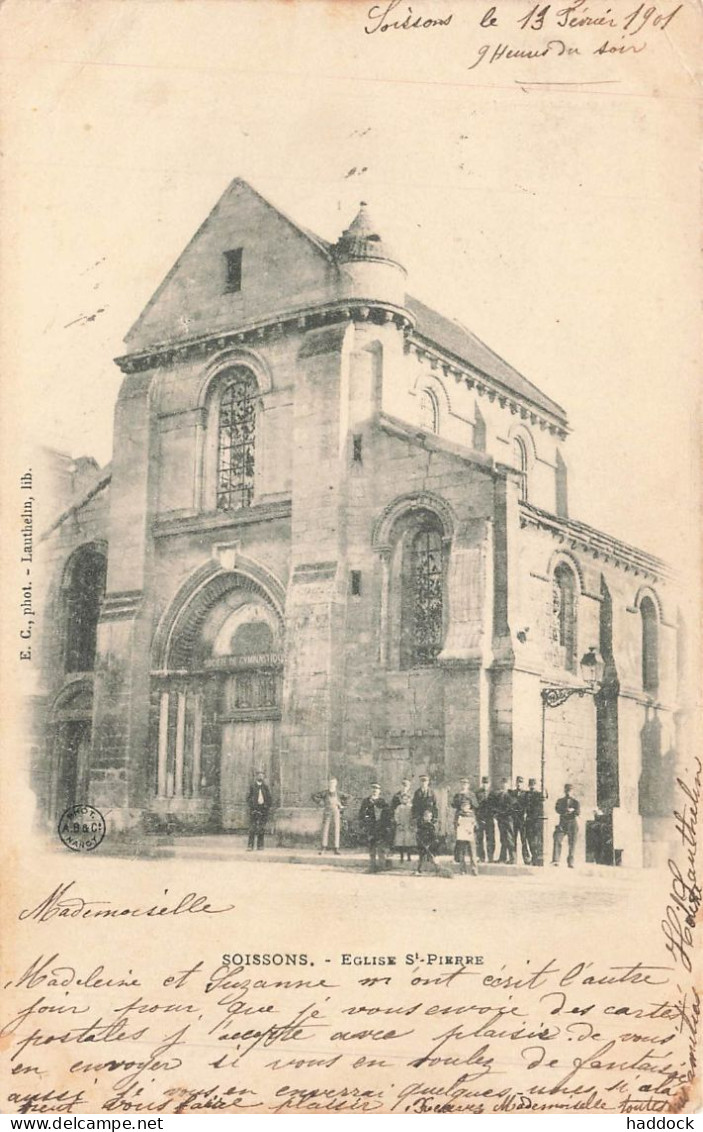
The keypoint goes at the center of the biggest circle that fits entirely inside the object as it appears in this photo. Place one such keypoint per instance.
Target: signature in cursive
(63, 904)
(685, 892)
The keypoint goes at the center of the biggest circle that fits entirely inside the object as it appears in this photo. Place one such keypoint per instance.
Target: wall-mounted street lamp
(554, 695)
(592, 675)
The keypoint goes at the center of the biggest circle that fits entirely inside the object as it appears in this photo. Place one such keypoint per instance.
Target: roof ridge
(512, 379)
(578, 526)
(88, 494)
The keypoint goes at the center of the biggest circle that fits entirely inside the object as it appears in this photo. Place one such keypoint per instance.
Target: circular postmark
(82, 828)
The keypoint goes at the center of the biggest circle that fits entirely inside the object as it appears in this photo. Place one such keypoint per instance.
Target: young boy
(466, 838)
(426, 841)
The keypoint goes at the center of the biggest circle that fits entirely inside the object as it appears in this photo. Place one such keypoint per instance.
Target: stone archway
(217, 702)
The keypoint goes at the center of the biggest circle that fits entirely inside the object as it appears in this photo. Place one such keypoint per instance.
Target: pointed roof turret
(361, 240)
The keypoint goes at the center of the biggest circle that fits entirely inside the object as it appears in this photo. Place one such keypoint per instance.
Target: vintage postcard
(350, 409)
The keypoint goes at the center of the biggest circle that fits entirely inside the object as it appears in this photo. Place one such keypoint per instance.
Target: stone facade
(336, 540)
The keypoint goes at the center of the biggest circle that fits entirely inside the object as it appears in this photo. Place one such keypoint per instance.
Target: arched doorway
(71, 726)
(218, 705)
(247, 652)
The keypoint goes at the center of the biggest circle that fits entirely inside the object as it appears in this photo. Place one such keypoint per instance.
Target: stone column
(462, 658)
(197, 740)
(119, 780)
(163, 745)
(307, 724)
(180, 744)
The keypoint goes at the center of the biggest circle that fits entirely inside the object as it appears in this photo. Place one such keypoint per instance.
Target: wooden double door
(250, 731)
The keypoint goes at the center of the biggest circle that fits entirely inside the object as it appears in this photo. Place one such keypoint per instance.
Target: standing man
(332, 803)
(519, 799)
(568, 809)
(465, 794)
(375, 821)
(534, 822)
(402, 822)
(259, 803)
(504, 817)
(485, 829)
(424, 799)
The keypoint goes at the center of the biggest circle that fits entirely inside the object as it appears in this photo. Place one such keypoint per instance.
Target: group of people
(408, 823)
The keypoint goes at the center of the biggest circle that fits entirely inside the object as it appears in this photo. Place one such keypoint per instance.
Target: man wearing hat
(424, 799)
(465, 794)
(568, 809)
(332, 803)
(259, 803)
(534, 822)
(375, 822)
(485, 827)
(518, 798)
(503, 809)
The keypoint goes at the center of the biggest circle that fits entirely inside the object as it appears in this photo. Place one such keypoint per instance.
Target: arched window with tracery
(427, 580)
(236, 446)
(414, 539)
(650, 646)
(84, 589)
(564, 616)
(520, 461)
(429, 411)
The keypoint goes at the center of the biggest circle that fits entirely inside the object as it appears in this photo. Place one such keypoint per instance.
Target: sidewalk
(233, 848)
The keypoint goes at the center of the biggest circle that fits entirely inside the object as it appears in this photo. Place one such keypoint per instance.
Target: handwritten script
(533, 1036)
(66, 903)
(577, 31)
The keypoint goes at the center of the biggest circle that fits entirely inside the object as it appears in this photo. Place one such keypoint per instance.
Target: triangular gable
(283, 266)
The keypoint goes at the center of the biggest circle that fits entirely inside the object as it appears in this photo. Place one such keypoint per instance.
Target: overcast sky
(559, 223)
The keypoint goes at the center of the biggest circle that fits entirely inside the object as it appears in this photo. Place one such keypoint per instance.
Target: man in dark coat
(534, 822)
(518, 799)
(503, 808)
(426, 842)
(485, 827)
(465, 794)
(375, 822)
(569, 810)
(424, 799)
(259, 803)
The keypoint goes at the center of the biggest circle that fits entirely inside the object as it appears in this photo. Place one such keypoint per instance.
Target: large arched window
(520, 461)
(236, 440)
(418, 580)
(426, 599)
(429, 411)
(414, 538)
(84, 589)
(650, 646)
(564, 603)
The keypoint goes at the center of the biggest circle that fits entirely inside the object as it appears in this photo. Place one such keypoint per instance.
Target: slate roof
(453, 338)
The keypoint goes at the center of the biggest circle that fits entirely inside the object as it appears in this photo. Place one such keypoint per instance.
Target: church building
(334, 539)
